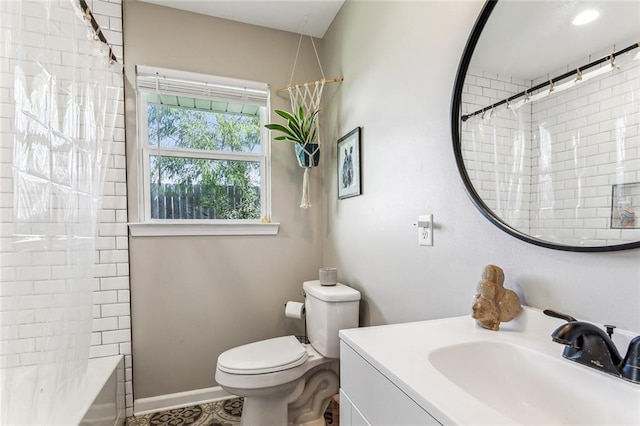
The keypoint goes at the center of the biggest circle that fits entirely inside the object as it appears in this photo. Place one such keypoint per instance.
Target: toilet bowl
(283, 381)
(270, 375)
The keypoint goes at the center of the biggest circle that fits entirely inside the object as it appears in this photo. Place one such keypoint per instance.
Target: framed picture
(625, 200)
(349, 164)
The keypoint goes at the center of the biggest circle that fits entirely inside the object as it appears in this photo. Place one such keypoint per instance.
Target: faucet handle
(610, 329)
(555, 314)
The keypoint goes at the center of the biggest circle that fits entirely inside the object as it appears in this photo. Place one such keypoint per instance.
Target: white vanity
(450, 371)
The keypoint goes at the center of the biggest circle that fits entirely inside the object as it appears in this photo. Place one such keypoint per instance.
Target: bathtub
(106, 387)
(98, 400)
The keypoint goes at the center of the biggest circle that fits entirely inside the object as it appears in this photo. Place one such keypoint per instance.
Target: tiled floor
(220, 413)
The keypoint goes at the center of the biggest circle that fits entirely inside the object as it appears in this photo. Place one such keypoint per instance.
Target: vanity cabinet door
(375, 397)
(349, 414)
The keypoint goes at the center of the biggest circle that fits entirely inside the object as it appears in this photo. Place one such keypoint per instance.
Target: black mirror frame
(456, 102)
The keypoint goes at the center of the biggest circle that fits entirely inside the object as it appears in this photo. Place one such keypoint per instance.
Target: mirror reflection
(550, 117)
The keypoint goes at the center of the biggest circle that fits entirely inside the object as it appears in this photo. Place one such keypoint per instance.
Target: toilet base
(270, 409)
(298, 403)
(317, 422)
(308, 409)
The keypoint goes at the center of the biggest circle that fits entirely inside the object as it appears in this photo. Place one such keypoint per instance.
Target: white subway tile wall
(582, 142)
(595, 145)
(497, 166)
(112, 316)
(36, 276)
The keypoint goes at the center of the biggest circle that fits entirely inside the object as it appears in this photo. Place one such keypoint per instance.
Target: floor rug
(219, 413)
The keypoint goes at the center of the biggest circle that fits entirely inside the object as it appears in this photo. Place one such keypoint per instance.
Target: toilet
(283, 381)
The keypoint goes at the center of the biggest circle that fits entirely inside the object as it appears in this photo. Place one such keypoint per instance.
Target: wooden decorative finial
(493, 303)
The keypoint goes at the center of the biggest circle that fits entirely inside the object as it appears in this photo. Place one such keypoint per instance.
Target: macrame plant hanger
(307, 96)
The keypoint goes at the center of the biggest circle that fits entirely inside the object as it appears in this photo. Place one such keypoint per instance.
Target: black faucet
(587, 344)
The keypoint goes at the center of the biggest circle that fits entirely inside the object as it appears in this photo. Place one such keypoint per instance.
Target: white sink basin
(463, 374)
(533, 388)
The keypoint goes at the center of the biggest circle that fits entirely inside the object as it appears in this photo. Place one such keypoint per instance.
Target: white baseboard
(181, 399)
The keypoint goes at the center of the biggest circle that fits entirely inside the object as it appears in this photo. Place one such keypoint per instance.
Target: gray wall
(194, 297)
(399, 61)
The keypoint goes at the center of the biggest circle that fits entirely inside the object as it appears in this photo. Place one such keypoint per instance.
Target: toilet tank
(329, 309)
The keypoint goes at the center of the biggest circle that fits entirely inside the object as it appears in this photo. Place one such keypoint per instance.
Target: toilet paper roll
(294, 310)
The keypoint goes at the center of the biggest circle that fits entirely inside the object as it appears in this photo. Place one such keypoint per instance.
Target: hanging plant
(302, 129)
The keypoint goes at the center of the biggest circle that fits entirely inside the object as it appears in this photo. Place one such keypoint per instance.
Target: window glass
(200, 188)
(182, 127)
(204, 157)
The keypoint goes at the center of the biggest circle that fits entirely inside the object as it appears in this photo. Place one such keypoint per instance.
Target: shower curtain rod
(610, 57)
(96, 29)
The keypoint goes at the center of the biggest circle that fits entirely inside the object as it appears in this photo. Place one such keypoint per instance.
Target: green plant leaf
(299, 128)
(285, 114)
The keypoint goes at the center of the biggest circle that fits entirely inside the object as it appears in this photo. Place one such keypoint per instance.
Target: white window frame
(211, 87)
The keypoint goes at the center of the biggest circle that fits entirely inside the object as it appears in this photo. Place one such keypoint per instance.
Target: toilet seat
(265, 356)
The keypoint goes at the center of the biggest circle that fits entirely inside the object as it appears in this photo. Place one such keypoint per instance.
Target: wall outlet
(425, 230)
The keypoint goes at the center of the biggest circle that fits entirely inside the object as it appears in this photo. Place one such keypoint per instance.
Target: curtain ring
(613, 62)
(551, 86)
(527, 98)
(579, 73)
(508, 104)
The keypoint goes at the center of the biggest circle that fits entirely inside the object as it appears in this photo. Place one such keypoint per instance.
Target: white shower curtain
(548, 167)
(497, 152)
(58, 119)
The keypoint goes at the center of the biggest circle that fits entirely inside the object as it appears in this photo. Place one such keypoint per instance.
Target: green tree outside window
(184, 187)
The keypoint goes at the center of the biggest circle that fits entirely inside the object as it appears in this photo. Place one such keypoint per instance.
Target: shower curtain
(59, 100)
(497, 151)
(547, 166)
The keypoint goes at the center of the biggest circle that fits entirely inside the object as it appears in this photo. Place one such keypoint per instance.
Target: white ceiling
(528, 39)
(308, 17)
(522, 38)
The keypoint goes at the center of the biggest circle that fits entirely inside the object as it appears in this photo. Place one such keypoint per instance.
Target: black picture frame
(348, 165)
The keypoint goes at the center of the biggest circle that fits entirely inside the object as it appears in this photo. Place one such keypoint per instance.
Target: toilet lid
(265, 356)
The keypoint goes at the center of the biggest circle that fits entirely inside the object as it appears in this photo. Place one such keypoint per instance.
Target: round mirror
(546, 121)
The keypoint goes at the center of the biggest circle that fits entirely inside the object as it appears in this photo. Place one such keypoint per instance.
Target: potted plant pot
(301, 129)
(308, 154)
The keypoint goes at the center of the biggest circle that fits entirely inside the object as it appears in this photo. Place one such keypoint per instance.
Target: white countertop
(401, 352)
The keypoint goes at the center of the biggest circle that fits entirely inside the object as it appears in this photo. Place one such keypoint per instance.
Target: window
(203, 148)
